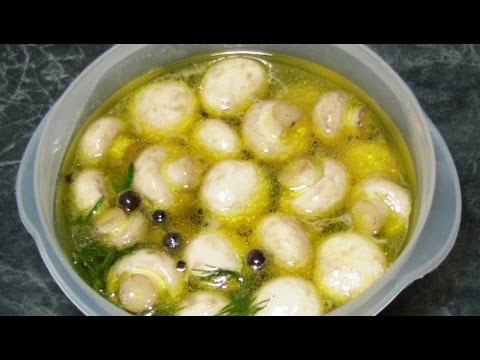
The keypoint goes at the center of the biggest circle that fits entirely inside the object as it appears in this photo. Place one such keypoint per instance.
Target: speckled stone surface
(445, 79)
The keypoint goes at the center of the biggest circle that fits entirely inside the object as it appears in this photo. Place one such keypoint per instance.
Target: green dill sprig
(93, 211)
(93, 260)
(216, 277)
(243, 301)
(127, 182)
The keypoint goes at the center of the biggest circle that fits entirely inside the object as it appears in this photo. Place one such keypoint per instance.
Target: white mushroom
(183, 173)
(129, 275)
(396, 197)
(354, 117)
(165, 106)
(265, 125)
(98, 137)
(232, 186)
(218, 138)
(286, 239)
(120, 229)
(328, 114)
(148, 180)
(88, 189)
(137, 293)
(289, 296)
(202, 303)
(210, 250)
(355, 120)
(369, 215)
(300, 174)
(347, 264)
(231, 85)
(325, 194)
(376, 199)
(360, 122)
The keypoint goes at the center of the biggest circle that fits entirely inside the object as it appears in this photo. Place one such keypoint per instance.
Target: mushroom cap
(286, 239)
(165, 107)
(217, 139)
(347, 264)
(265, 129)
(209, 250)
(289, 296)
(229, 86)
(328, 114)
(137, 293)
(98, 137)
(183, 173)
(395, 196)
(314, 189)
(88, 188)
(233, 189)
(158, 267)
(148, 179)
(120, 229)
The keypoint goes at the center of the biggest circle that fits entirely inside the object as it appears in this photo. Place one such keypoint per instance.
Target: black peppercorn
(159, 216)
(181, 265)
(129, 200)
(256, 259)
(172, 240)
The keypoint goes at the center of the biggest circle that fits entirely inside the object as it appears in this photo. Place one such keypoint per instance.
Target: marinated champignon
(218, 138)
(129, 275)
(98, 137)
(396, 197)
(137, 293)
(231, 85)
(325, 194)
(88, 188)
(148, 180)
(265, 125)
(328, 114)
(231, 187)
(358, 122)
(347, 264)
(354, 118)
(183, 173)
(378, 198)
(202, 303)
(285, 238)
(165, 106)
(120, 229)
(211, 250)
(300, 174)
(289, 296)
(369, 215)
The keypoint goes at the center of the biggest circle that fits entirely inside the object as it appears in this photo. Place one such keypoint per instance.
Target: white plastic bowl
(38, 174)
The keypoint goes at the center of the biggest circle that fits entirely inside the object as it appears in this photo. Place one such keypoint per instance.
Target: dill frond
(243, 301)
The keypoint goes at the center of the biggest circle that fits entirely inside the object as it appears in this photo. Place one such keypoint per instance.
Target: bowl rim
(361, 52)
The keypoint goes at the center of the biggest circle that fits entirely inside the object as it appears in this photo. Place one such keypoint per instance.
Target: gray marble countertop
(445, 79)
